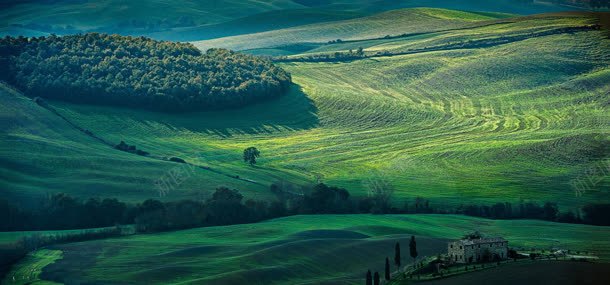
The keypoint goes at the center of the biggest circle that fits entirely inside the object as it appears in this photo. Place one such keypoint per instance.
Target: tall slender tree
(387, 269)
(397, 255)
(413, 248)
(369, 278)
(376, 278)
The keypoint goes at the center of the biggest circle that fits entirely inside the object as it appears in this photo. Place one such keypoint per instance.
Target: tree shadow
(290, 111)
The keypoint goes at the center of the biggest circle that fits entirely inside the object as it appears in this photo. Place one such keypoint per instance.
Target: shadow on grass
(291, 111)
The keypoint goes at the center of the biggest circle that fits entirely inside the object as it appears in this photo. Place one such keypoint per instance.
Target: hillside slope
(395, 22)
(522, 119)
(199, 20)
(328, 249)
(41, 153)
(127, 17)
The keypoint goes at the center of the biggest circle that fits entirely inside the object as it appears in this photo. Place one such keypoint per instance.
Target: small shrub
(177, 159)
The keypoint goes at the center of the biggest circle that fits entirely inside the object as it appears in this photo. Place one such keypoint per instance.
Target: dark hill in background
(198, 20)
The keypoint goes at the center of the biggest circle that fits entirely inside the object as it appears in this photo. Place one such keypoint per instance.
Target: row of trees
(323, 199)
(137, 72)
(226, 206)
(325, 57)
(594, 214)
(61, 212)
(374, 279)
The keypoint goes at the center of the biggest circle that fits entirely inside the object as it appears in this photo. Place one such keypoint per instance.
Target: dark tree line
(326, 57)
(226, 206)
(62, 212)
(323, 199)
(137, 72)
(524, 210)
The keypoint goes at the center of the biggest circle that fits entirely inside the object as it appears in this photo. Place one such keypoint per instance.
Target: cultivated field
(328, 249)
(41, 154)
(506, 121)
(199, 20)
(453, 104)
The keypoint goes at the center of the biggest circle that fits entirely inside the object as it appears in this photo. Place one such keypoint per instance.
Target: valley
(376, 122)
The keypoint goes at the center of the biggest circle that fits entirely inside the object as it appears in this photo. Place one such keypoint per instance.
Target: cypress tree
(397, 255)
(413, 248)
(387, 269)
(377, 281)
(369, 278)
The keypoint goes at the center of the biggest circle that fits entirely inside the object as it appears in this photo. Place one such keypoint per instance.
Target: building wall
(460, 253)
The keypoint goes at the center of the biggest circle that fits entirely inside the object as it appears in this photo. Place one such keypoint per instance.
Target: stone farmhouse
(477, 250)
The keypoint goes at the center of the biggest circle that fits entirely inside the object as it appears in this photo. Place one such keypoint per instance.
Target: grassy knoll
(41, 153)
(135, 17)
(394, 22)
(508, 122)
(199, 20)
(28, 270)
(331, 249)
(485, 34)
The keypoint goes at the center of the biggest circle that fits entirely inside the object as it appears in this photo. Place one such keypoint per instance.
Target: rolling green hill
(395, 22)
(326, 249)
(41, 153)
(199, 20)
(133, 17)
(514, 120)
(454, 106)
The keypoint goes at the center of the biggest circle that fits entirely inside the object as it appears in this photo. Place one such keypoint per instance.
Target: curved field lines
(517, 120)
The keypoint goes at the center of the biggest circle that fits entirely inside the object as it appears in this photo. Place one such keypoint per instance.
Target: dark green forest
(137, 72)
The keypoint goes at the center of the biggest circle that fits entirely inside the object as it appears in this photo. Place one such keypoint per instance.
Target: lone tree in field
(250, 155)
(369, 278)
(387, 269)
(413, 248)
(376, 278)
(397, 255)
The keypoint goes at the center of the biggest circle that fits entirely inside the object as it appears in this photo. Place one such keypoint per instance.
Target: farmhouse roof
(481, 240)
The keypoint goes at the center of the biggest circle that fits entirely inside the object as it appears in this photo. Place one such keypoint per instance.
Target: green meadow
(394, 22)
(511, 121)
(201, 20)
(326, 249)
(460, 102)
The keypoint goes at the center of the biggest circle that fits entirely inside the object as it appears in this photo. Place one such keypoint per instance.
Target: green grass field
(474, 106)
(43, 154)
(110, 14)
(507, 122)
(214, 18)
(395, 22)
(328, 249)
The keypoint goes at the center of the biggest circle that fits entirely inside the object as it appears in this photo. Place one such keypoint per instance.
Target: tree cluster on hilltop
(137, 72)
